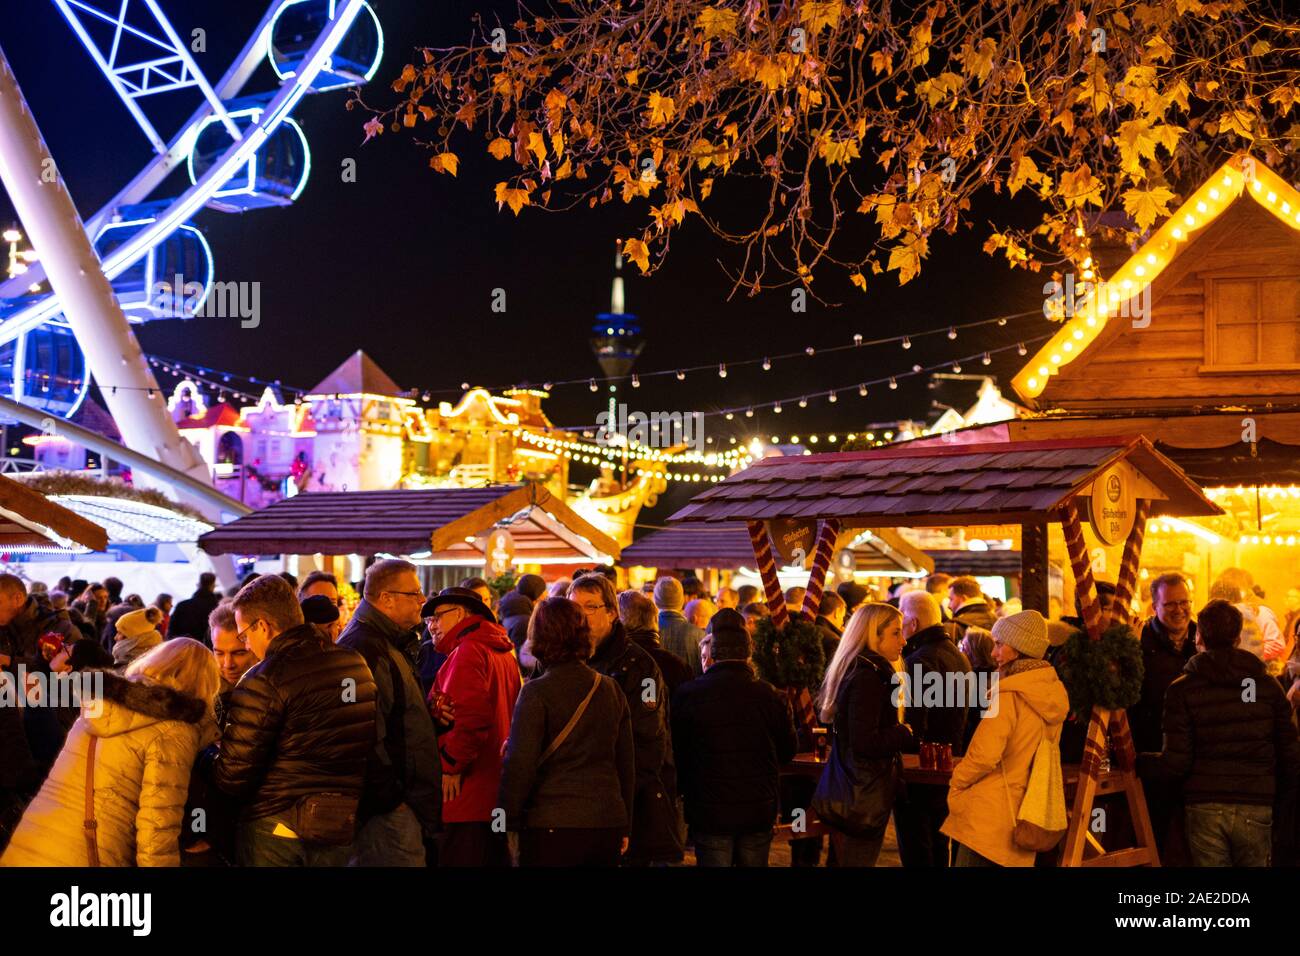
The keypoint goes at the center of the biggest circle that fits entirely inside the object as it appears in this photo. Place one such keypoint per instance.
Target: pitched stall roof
(358, 375)
(729, 546)
(940, 487)
(28, 518)
(432, 521)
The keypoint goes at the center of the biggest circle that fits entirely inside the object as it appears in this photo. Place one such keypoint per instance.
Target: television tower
(616, 341)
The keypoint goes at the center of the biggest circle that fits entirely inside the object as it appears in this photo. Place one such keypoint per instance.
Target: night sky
(403, 262)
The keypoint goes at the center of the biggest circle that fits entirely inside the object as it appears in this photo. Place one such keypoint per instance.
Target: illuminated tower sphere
(616, 337)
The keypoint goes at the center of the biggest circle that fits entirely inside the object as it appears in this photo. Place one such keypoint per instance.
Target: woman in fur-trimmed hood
(147, 728)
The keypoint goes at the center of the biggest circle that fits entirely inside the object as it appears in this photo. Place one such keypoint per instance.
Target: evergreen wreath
(791, 657)
(1105, 673)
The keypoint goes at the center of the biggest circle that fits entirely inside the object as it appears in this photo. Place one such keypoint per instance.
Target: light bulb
(722, 370)
(987, 359)
(767, 365)
(907, 343)
(776, 409)
(952, 333)
(1021, 349)
(832, 397)
(636, 381)
(680, 375)
(893, 384)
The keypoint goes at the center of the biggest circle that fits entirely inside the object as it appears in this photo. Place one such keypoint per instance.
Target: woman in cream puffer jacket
(149, 726)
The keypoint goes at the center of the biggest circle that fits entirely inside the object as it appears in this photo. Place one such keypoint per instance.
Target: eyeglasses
(240, 636)
(593, 608)
(414, 594)
(446, 610)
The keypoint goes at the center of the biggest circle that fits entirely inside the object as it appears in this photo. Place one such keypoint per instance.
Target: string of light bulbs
(766, 362)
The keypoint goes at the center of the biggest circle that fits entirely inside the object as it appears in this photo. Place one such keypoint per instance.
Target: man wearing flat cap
(732, 732)
(481, 680)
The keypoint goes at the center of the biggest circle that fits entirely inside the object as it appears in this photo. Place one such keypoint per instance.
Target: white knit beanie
(1026, 632)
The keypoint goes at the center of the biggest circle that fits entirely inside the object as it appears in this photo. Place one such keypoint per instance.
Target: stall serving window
(1252, 323)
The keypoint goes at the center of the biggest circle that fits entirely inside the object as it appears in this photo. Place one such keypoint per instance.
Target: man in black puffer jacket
(936, 717)
(735, 732)
(299, 723)
(516, 608)
(1230, 737)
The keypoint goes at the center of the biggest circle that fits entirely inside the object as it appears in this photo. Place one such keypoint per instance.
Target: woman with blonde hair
(140, 737)
(855, 795)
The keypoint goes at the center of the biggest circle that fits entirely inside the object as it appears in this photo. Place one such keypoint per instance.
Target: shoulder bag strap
(573, 721)
(91, 825)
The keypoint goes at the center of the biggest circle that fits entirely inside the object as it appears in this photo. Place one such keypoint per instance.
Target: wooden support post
(1033, 567)
(762, 544)
(812, 598)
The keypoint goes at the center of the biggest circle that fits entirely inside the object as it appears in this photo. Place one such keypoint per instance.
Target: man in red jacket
(480, 681)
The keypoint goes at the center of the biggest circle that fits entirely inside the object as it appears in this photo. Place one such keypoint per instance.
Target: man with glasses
(401, 806)
(1168, 643)
(300, 724)
(481, 680)
(656, 821)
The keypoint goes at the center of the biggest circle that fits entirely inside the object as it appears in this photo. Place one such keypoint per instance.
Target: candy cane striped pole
(1084, 587)
(812, 598)
(1126, 582)
(767, 570)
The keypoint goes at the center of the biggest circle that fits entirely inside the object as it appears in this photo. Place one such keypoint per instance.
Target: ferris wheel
(241, 151)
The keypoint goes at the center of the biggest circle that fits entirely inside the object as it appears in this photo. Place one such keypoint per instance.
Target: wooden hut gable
(1222, 309)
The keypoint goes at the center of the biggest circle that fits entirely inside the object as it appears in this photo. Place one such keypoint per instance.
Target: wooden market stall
(521, 526)
(1193, 340)
(1115, 484)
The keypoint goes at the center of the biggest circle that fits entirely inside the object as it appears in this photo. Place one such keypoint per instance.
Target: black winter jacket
(514, 611)
(590, 779)
(1224, 748)
(675, 670)
(404, 767)
(299, 722)
(866, 720)
(932, 652)
(1161, 664)
(979, 614)
(190, 618)
(732, 732)
(656, 825)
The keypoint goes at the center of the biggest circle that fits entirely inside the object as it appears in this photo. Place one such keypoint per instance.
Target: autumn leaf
(906, 258)
(565, 170)
(978, 61)
(406, 79)
(1147, 205)
(631, 77)
(1136, 142)
(1239, 122)
(815, 15)
(501, 147)
(445, 163)
(716, 22)
(557, 143)
(515, 198)
(1283, 97)
(661, 109)
(537, 146)
(1080, 186)
(881, 62)
(706, 187)
(859, 280)
(373, 127)
(1024, 171)
(919, 51)
(837, 152)
(636, 250)
(771, 74)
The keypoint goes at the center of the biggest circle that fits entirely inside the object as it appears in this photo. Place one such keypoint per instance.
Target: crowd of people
(570, 724)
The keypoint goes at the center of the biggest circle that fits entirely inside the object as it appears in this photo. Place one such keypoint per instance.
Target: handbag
(1041, 821)
(856, 797)
(563, 735)
(328, 818)
(91, 825)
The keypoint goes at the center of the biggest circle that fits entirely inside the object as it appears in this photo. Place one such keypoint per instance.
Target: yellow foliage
(716, 22)
(515, 198)
(1147, 205)
(445, 163)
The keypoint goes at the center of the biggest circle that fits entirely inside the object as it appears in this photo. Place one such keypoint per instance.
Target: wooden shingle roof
(427, 521)
(940, 486)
